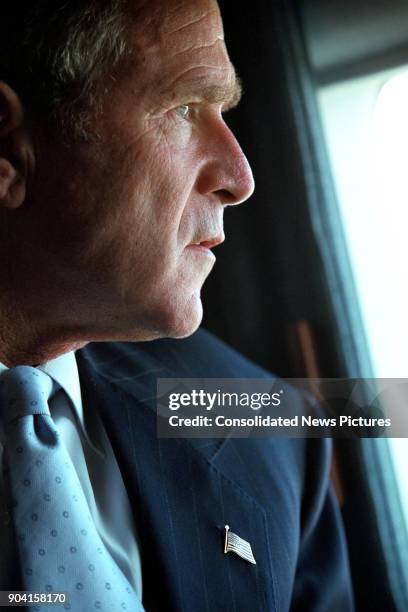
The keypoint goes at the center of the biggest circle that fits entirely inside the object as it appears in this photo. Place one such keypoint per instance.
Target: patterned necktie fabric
(59, 547)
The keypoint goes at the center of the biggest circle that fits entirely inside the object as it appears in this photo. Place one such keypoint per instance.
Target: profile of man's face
(127, 220)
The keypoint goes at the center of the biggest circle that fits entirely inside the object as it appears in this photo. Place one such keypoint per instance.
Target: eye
(183, 111)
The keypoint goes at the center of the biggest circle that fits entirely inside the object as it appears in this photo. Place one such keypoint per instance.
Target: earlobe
(13, 166)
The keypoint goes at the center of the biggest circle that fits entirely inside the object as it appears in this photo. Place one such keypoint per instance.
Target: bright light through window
(366, 125)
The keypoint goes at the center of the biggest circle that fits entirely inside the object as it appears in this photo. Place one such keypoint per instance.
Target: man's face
(133, 215)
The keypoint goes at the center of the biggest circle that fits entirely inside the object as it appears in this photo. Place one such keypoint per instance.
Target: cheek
(173, 132)
(138, 206)
(163, 185)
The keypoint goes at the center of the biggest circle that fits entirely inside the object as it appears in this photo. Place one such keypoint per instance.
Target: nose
(226, 173)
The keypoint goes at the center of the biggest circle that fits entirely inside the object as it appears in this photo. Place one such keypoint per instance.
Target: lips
(208, 242)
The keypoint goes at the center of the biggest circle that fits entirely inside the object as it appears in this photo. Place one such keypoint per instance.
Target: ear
(14, 149)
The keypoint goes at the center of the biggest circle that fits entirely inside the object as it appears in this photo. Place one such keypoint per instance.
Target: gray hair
(55, 52)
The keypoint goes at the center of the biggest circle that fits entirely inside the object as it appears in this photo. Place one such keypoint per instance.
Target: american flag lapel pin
(242, 548)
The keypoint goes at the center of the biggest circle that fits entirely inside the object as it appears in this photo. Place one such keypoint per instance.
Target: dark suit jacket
(274, 493)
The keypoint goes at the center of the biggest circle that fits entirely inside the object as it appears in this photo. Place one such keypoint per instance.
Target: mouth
(208, 242)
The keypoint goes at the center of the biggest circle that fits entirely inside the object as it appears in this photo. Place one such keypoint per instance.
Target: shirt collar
(64, 371)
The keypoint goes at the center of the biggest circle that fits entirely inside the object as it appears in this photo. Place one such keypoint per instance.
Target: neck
(32, 330)
(24, 343)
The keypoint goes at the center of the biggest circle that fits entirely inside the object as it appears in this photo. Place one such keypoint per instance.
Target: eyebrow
(228, 94)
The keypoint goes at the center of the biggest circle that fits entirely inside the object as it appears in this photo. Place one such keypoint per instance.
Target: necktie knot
(24, 391)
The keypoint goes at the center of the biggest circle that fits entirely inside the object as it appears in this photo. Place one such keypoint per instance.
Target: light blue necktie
(60, 549)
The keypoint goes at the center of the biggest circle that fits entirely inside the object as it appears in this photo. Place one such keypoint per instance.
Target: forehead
(181, 40)
(186, 22)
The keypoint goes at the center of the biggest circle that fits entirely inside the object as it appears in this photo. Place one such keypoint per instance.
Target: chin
(180, 319)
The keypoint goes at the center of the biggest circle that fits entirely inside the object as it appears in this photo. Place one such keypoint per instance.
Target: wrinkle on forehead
(201, 38)
(176, 25)
(196, 46)
(189, 9)
(194, 22)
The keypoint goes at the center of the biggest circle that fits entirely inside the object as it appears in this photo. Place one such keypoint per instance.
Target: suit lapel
(181, 503)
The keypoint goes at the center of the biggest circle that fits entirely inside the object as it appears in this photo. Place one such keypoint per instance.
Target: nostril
(225, 196)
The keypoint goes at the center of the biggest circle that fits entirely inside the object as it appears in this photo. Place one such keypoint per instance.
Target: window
(366, 126)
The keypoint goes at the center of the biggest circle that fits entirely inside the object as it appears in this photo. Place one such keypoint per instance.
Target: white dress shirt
(91, 453)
